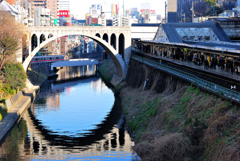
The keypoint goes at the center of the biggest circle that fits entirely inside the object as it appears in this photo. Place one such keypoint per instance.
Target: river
(75, 117)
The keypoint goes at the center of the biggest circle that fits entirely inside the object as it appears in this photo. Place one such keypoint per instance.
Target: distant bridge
(115, 40)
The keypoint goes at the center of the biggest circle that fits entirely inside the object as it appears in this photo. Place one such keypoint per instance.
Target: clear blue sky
(80, 7)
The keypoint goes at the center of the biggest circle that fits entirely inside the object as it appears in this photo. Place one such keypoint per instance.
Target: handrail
(228, 93)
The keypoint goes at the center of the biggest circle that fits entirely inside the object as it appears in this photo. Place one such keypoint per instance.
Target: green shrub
(5, 94)
(3, 101)
(3, 113)
(15, 77)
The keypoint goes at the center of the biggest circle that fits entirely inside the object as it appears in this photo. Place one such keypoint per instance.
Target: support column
(38, 40)
(29, 44)
(117, 43)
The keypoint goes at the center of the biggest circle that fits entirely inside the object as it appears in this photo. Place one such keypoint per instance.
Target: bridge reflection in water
(107, 139)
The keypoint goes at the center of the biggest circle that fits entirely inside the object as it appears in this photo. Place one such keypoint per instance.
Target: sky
(81, 7)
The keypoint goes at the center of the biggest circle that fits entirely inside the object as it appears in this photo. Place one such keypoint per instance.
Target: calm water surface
(71, 120)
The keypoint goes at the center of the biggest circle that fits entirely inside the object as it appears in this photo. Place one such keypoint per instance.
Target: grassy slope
(185, 125)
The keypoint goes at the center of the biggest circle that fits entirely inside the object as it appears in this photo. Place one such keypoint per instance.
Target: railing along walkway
(217, 71)
(228, 93)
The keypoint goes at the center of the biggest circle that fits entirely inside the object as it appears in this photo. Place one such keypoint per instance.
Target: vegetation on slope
(181, 124)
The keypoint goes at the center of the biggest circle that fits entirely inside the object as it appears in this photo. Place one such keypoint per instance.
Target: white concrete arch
(98, 34)
(117, 59)
(89, 31)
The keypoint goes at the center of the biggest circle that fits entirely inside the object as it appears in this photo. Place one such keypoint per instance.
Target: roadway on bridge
(220, 77)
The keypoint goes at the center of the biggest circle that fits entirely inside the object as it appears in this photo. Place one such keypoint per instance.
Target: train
(46, 59)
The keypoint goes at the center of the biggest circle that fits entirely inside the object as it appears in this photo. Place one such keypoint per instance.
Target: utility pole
(165, 11)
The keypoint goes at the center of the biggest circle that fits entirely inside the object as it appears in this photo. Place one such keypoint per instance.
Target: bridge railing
(227, 93)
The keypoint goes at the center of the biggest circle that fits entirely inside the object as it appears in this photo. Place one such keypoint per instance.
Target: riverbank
(20, 105)
(171, 120)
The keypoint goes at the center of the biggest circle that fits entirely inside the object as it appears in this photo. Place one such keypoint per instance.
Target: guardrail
(227, 93)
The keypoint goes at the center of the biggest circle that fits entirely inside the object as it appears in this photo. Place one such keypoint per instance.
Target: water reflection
(68, 73)
(10, 149)
(80, 119)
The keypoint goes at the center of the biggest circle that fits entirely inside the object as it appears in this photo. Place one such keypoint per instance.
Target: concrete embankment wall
(16, 105)
(172, 120)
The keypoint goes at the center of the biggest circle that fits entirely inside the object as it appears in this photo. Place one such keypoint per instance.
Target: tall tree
(11, 34)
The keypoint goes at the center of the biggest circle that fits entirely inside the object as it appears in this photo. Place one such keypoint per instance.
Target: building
(64, 10)
(190, 32)
(11, 2)
(148, 15)
(134, 12)
(21, 14)
(64, 20)
(42, 17)
(53, 6)
(95, 10)
(115, 21)
(125, 22)
(171, 11)
(26, 12)
(39, 3)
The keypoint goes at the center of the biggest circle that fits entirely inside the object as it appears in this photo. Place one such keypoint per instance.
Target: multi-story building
(20, 12)
(25, 15)
(64, 15)
(134, 12)
(115, 21)
(11, 2)
(53, 6)
(171, 11)
(95, 10)
(42, 17)
(39, 3)
(125, 21)
(64, 10)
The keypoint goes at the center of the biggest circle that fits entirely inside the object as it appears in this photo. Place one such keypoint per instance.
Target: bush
(3, 113)
(15, 77)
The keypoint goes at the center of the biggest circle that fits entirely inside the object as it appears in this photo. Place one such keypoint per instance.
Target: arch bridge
(115, 40)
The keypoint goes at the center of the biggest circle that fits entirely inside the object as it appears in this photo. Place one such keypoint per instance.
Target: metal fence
(228, 93)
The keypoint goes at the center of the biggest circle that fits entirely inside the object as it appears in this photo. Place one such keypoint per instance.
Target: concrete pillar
(83, 73)
(95, 46)
(29, 44)
(38, 40)
(117, 43)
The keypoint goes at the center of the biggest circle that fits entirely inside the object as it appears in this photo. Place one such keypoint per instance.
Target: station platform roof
(193, 29)
(232, 46)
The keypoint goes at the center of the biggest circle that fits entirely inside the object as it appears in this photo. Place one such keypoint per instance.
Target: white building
(125, 22)
(95, 10)
(21, 15)
(42, 17)
(63, 5)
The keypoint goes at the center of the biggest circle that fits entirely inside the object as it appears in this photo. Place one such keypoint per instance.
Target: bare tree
(11, 34)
